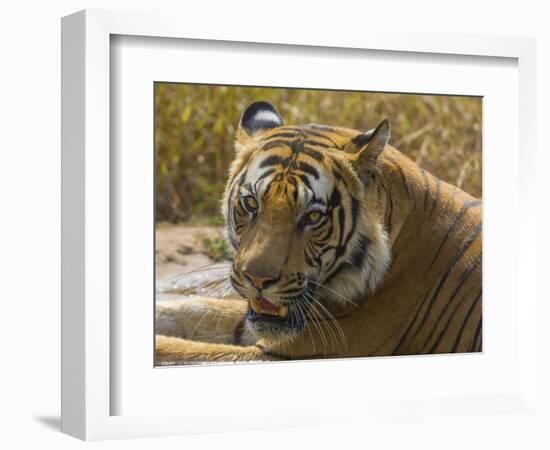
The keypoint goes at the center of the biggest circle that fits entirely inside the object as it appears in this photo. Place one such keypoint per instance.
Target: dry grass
(195, 126)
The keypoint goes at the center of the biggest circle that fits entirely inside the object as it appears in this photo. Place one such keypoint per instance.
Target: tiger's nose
(257, 281)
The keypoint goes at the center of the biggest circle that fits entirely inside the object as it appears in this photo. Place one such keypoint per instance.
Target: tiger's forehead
(312, 134)
(295, 164)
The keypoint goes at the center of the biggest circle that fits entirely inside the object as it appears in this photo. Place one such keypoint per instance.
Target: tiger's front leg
(208, 320)
(204, 330)
(173, 350)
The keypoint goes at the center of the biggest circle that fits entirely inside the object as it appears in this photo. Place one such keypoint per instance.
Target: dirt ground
(181, 248)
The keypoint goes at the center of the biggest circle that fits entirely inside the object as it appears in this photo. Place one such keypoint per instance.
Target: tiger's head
(306, 229)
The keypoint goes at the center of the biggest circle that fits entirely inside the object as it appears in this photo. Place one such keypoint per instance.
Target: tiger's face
(306, 232)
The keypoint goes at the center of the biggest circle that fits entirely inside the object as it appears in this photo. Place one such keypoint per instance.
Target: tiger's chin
(274, 328)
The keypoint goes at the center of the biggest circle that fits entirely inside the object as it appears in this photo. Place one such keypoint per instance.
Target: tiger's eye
(313, 217)
(251, 203)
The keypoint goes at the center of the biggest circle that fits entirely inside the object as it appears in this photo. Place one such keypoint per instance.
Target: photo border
(248, 86)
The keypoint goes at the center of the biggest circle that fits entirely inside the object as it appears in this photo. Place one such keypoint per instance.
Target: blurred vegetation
(195, 127)
(216, 249)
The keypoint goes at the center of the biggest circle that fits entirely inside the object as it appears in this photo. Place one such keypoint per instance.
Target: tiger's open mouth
(273, 321)
(264, 307)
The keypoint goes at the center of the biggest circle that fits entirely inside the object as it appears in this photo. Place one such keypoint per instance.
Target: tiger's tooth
(283, 311)
(256, 306)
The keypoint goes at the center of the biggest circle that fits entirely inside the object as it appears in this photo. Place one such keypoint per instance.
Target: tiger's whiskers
(346, 299)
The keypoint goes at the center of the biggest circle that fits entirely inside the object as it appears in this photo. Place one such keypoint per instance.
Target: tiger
(342, 247)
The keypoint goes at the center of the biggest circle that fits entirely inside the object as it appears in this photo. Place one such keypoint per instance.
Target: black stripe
(459, 336)
(275, 144)
(235, 280)
(274, 160)
(314, 154)
(337, 175)
(264, 175)
(307, 168)
(341, 170)
(318, 226)
(403, 178)
(328, 232)
(389, 212)
(305, 180)
(242, 177)
(236, 184)
(314, 133)
(476, 336)
(358, 254)
(341, 225)
(354, 215)
(445, 327)
(317, 143)
(338, 270)
(292, 180)
(294, 290)
(465, 207)
(343, 243)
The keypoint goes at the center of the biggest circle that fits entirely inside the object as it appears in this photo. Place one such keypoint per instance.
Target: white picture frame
(88, 328)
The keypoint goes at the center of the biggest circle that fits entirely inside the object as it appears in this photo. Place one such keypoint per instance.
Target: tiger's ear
(258, 117)
(366, 147)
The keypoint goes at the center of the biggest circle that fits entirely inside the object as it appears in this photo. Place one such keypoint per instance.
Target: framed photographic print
(323, 213)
